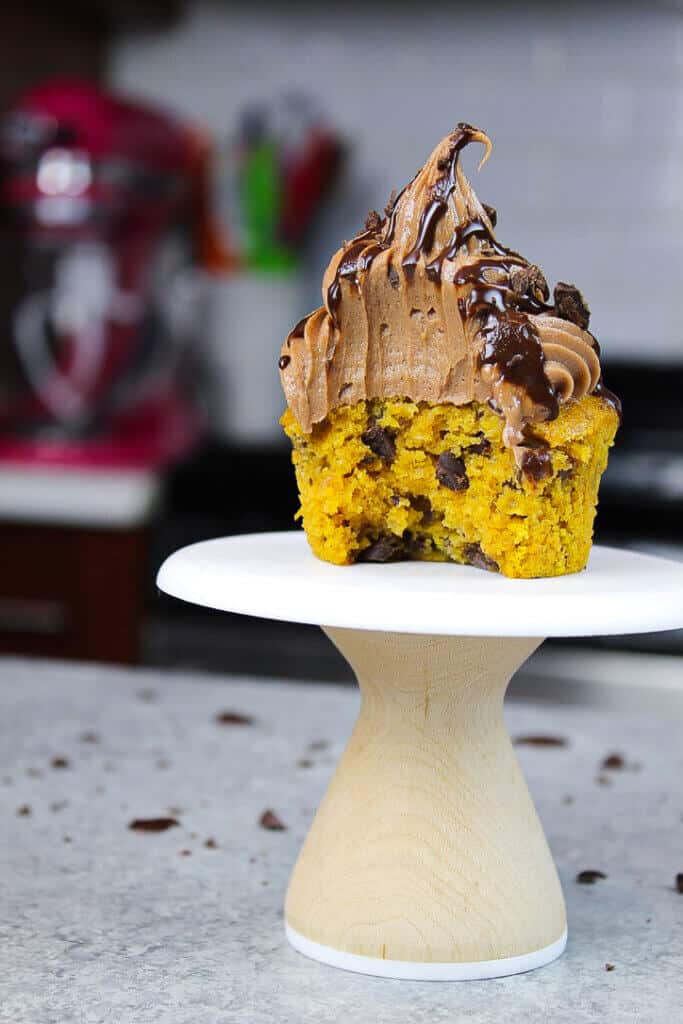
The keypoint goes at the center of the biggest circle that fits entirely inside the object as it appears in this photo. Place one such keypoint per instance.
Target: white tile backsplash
(584, 103)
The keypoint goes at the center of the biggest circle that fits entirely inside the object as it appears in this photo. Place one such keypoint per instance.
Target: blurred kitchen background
(175, 177)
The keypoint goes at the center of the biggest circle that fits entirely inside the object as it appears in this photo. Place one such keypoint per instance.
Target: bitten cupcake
(440, 405)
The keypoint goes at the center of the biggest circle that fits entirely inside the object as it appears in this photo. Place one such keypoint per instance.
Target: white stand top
(276, 576)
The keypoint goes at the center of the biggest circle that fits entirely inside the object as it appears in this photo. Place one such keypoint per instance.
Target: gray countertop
(99, 923)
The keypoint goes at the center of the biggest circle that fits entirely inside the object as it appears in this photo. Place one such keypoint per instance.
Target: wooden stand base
(426, 855)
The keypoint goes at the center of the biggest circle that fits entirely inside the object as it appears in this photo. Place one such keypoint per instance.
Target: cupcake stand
(426, 859)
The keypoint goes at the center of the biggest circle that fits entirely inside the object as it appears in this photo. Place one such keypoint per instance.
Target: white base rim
(410, 971)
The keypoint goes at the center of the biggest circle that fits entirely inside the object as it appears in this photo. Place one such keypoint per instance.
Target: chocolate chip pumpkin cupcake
(441, 407)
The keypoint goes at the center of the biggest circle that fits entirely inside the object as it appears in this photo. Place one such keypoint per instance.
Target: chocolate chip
(423, 505)
(388, 209)
(613, 762)
(537, 464)
(233, 718)
(679, 882)
(284, 361)
(571, 305)
(589, 877)
(475, 556)
(152, 824)
(482, 447)
(529, 280)
(491, 213)
(380, 441)
(387, 548)
(59, 762)
(451, 472)
(537, 740)
(393, 276)
(412, 545)
(373, 222)
(269, 820)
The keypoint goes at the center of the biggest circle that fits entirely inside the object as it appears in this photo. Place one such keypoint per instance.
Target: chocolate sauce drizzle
(441, 192)
(298, 330)
(509, 340)
(359, 255)
(512, 345)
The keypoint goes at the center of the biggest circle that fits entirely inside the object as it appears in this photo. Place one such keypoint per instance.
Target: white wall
(584, 104)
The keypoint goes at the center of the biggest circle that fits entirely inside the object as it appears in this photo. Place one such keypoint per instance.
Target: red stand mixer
(100, 300)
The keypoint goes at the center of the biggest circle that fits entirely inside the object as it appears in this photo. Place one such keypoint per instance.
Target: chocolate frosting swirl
(425, 303)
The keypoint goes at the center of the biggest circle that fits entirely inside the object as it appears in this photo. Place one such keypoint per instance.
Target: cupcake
(440, 405)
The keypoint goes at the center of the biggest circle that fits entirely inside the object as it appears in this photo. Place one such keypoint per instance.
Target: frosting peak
(425, 303)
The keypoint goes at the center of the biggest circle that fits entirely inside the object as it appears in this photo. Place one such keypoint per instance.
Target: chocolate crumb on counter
(185, 853)
(270, 821)
(381, 442)
(59, 762)
(317, 745)
(571, 305)
(304, 762)
(609, 967)
(679, 882)
(233, 718)
(603, 780)
(148, 695)
(613, 762)
(540, 740)
(152, 824)
(24, 811)
(451, 472)
(590, 877)
(479, 559)
(387, 548)
(210, 844)
(89, 737)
